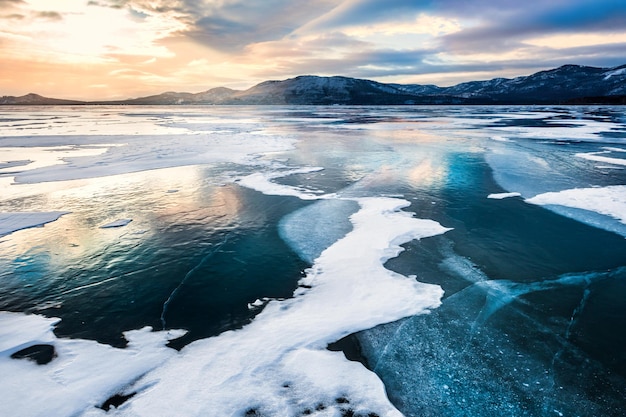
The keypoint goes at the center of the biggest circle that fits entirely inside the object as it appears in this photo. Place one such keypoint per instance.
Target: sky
(111, 49)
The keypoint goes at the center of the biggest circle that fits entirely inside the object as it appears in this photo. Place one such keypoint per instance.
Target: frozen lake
(199, 261)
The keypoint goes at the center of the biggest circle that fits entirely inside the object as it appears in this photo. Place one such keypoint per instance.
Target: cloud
(125, 72)
(13, 16)
(605, 15)
(605, 56)
(422, 24)
(43, 15)
(229, 24)
(332, 53)
(195, 45)
(477, 37)
(114, 4)
(486, 25)
(364, 12)
(238, 23)
(511, 29)
(10, 3)
(49, 15)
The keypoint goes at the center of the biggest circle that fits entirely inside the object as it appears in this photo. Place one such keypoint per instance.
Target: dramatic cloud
(191, 45)
(9, 3)
(512, 26)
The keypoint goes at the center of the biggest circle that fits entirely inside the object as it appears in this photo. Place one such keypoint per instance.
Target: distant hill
(213, 96)
(553, 86)
(36, 100)
(569, 84)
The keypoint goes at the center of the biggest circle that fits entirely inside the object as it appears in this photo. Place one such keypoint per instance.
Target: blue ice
(311, 229)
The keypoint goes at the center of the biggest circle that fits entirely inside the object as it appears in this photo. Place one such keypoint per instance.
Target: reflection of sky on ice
(333, 180)
(260, 376)
(76, 242)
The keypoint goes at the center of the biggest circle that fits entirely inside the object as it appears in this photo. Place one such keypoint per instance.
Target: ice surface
(11, 222)
(82, 375)
(597, 156)
(526, 173)
(502, 292)
(543, 168)
(563, 130)
(500, 196)
(312, 229)
(145, 153)
(110, 121)
(103, 141)
(37, 157)
(610, 201)
(278, 364)
(261, 181)
(18, 331)
(613, 149)
(608, 167)
(483, 354)
(116, 223)
(501, 139)
(11, 164)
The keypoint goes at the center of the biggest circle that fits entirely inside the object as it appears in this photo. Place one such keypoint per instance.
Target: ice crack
(187, 276)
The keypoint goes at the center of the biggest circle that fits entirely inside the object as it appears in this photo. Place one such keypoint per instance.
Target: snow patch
(620, 71)
(596, 156)
(501, 139)
(11, 222)
(609, 201)
(278, 364)
(261, 181)
(500, 196)
(83, 375)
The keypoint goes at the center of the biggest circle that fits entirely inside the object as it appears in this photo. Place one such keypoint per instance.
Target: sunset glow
(108, 49)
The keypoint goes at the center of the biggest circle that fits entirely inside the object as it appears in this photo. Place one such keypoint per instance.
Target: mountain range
(568, 84)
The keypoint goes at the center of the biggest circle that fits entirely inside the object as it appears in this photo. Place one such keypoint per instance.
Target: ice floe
(597, 157)
(11, 222)
(38, 157)
(500, 196)
(610, 201)
(116, 223)
(501, 139)
(563, 130)
(261, 181)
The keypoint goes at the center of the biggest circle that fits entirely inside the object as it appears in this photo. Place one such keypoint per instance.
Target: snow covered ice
(11, 222)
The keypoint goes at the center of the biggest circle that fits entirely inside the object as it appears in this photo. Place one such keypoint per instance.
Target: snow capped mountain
(310, 89)
(566, 84)
(553, 86)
